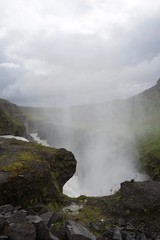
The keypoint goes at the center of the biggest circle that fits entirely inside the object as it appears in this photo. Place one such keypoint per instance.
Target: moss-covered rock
(31, 173)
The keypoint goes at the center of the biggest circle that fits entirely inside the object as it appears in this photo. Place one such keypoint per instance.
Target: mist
(104, 141)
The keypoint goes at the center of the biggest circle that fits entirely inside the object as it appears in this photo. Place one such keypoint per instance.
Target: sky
(67, 52)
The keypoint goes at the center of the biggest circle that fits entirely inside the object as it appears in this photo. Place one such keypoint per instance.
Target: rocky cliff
(31, 173)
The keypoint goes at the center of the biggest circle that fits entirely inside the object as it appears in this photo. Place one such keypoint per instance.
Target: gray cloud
(83, 52)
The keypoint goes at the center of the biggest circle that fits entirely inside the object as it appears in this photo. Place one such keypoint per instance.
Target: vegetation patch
(149, 161)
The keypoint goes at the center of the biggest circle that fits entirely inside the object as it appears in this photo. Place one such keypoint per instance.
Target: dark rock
(40, 209)
(30, 211)
(34, 219)
(117, 234)
(157, 237)
(76, 231)
(42, 231)
(19, 217)
(94, 226)
(127, 236)
(6, 208)
(52, 237)
(46, 217)
(17, 208)
(138, 197)
(21, 231)
(130, 227)
(143, 236)
(108, 233)
(54, 218)
(2, 222)
(2, 237)
(121, 222)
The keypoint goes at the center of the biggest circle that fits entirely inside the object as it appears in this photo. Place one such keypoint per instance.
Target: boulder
(76, 231)
(31, 173)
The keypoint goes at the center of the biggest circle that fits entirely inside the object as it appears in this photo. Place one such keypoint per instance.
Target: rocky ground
(131, 213)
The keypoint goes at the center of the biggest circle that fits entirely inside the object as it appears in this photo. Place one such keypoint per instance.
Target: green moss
(27, 156)
(14, 167)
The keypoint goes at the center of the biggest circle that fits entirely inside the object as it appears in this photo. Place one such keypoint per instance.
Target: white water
(15, 137)
(37, 139)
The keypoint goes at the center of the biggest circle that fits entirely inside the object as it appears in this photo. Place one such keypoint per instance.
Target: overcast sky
(69, 52)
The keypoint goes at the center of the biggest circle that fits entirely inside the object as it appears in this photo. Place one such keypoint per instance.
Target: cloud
(9, 65)
(79, 52)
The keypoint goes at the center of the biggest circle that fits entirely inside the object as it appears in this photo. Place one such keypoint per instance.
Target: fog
(103, 140)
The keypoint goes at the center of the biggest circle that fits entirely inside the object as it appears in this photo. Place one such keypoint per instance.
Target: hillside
(12, 121)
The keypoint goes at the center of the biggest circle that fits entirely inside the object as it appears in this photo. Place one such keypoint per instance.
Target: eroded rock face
(31, 173)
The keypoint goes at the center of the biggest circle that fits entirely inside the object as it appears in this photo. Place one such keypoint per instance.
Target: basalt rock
(31, 173)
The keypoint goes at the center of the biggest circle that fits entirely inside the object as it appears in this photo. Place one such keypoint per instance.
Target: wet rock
(76, 231)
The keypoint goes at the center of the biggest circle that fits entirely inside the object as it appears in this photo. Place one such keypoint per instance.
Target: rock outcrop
(31, 173)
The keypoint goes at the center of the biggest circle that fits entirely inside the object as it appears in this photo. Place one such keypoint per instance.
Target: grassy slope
(11, 119)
